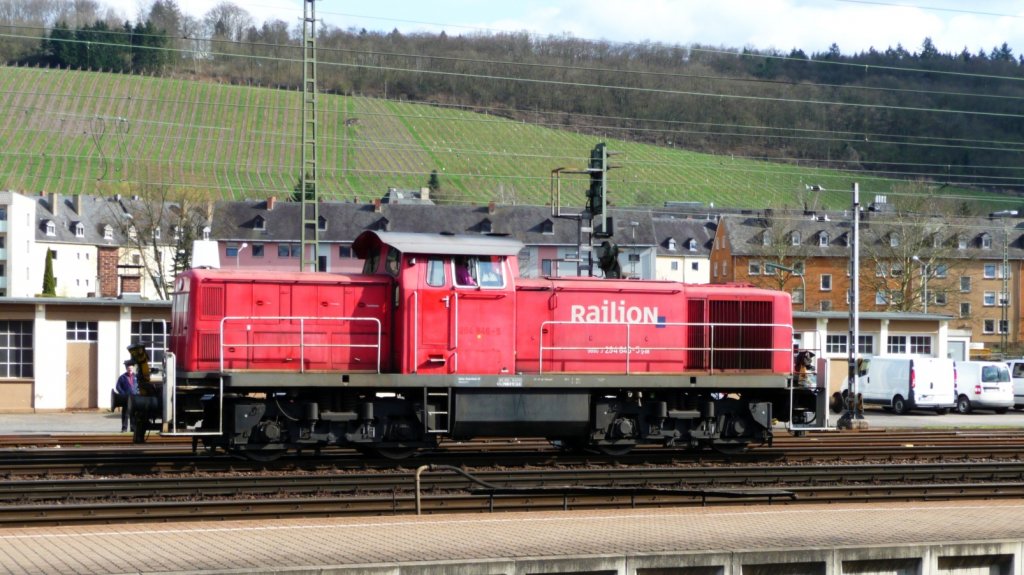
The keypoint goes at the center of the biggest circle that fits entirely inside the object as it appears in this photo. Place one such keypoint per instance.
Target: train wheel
(614, 450)
(260, 455)
(729, 448)
(394, 452)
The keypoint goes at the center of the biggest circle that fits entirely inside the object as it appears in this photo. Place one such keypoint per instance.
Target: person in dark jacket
(127, 386)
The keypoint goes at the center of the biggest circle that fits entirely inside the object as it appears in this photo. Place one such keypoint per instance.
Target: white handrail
(302, 336)
(629, 350)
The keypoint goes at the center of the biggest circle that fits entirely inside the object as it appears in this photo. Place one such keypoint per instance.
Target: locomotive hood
(412, 243)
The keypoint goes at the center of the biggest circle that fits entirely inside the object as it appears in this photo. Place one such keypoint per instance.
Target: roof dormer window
(894, 240)
(156, 233)
(547, 227)
(692, 245)
(794, 238)
(823, 239)
(961, 242)
(321, 224)
(108, 232)
(766, 238)
(206, 232)
(485, 226)
(132, 234)
(986, 241)
(671, 244)
(51, 228)
(79, 230)
(259, 223)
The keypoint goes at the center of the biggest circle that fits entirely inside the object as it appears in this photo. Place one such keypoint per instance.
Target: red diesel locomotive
(439, 337)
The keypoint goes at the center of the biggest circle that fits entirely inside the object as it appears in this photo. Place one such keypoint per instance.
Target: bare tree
(157, 226)
(783, 253)
(904, 249)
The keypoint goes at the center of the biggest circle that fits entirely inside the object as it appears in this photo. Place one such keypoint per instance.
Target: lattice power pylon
(309, 191)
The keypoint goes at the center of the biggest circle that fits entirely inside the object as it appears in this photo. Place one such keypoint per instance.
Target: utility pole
(1004, 296)
(309, 193)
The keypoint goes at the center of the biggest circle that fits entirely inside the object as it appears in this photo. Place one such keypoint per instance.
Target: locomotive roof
(413, 243)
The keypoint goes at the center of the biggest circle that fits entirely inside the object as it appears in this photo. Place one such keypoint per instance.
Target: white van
(983, 385)
(904, 383)
(1017, 375)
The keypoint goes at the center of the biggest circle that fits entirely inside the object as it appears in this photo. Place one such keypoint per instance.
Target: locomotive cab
(454, 299)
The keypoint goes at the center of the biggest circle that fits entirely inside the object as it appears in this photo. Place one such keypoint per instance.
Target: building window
(896, 270)
(990, 271)
(545, 267)
(548, 227)
(961, 242)
(825, 305)
(882, 297)
(823, 239)
(695, 266)
(132, 233)
(798, 268)
(794, 238)
(965, 283)
(989, 326)
(866, 344)
(940, 297)
(16, 345)
(345, 252)
(3, 213)
(986, 242)
(714, 271)
(1004, 326)
(258, 250)
(936, 241)
(798, 296)
(152, 334)
(989, 299)
(754, 268)
(692, 245)
(897, 344)
(921, 344)
(835, 343)
(81, 330)
(675, 266)
(965, 309)
(766, 238)
(881, 270)
(79, 230)
(289, 250)
(826, 282)
(156, 233)
(941, 270)
(894, 240)
(206, 232)
(671, 244)
(51, 228)
(321, 224)
(232, 250)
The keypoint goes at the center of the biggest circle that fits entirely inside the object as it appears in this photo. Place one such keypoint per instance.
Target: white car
(1017, 375)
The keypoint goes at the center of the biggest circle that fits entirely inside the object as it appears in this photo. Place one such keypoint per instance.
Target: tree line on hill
(924, 113)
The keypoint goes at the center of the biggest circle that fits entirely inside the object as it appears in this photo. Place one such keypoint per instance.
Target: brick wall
(108, 271)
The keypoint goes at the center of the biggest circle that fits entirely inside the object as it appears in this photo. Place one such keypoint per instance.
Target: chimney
(78, 203)
(54, 199)
(270, 202)
(424, 193)
(376, 205)
(209, 211)
(491, 207)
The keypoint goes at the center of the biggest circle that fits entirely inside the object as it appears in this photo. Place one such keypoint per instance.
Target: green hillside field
(99, 133)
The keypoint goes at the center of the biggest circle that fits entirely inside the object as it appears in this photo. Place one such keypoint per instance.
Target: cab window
(391, 262)
(489, 272)
(465, 271)
(370, 265)
(435, 272)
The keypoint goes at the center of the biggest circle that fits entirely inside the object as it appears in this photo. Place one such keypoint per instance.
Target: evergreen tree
(49, 282)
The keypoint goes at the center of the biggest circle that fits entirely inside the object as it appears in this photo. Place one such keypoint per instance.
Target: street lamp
(924, 282)
(237, 253)
(770, 267)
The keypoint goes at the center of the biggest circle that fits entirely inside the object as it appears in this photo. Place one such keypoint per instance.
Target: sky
(810, 25)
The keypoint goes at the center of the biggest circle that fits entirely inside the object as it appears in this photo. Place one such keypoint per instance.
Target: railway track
(105, 500)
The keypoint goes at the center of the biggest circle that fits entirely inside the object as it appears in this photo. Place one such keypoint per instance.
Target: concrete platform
(940, 537)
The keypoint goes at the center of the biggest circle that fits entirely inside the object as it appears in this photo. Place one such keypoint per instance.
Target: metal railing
(707, 334)
(301, 344)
